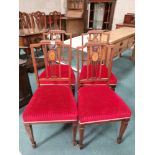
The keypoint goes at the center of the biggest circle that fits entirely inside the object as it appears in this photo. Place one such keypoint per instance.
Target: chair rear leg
(81, 131)
(124, 124)
(73, 89)
(74, 131)
(29, 131)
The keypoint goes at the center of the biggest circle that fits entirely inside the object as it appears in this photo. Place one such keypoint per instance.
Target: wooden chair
(56, 36)
(52, 103)
(55, 20)
(39, 20)
(97, 103)
(25, 22)
(95, 36)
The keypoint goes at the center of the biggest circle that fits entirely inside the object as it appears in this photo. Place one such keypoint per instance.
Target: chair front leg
(29, 131)
(81, 132)
(74, 131)
(124, 124)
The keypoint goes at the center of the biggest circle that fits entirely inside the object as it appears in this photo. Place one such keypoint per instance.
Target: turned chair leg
(74, 131)
(81, 130)
(124, 124)
(29, 131)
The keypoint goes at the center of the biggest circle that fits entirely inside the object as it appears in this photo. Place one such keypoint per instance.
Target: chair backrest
(94, 61)
(55, 20)
(96, 35)
(54, 35)
(39, 20)
(25, 21)
(53, 59)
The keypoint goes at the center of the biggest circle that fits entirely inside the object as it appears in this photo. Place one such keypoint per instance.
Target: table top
(119, 34)
(115, 36)
(30, 32)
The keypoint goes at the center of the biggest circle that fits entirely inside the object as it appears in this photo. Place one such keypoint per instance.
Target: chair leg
(74, 131)
(73, 90)
(113, 87)
(124, 124)
(29, 131)
(81, 130)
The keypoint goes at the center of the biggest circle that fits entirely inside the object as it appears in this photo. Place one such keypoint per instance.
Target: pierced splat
(55, 20)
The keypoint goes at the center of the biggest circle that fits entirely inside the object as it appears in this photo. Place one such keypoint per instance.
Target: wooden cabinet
(75, 4)
(129, 21)
(25, 92)
(73, 22)
(99, 14)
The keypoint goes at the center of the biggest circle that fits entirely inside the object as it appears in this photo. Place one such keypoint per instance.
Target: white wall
(46, 6)
(122, 7)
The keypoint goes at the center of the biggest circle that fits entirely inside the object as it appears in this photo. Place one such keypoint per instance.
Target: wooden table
(122, 39)
(27, 37)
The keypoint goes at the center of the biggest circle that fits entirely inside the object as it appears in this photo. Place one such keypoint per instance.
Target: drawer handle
(121, 43)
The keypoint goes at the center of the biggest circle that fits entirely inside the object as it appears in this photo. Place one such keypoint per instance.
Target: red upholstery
(64, 74)
(100, 103)
(51, 104)
(104, 73)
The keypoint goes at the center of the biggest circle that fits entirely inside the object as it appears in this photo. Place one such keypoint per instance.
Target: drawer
(131, 42)
(120, 46)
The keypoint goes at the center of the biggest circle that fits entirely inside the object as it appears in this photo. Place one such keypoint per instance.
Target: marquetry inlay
(51, 55)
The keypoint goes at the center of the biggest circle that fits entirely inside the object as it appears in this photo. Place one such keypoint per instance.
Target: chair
(24, 23)
(97, 102)
(51, 103)
(55, 20)
(56, 36)
(96, 36)
(39, 20)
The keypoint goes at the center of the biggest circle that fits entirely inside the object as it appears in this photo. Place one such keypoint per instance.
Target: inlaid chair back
(93, 64)
(39, 20)
(53, 59)
(55, 20)
(97, 35)
(57, 35)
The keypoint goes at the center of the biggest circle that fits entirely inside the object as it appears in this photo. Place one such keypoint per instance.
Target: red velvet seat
(104, 73)
(64, 74)
(51, 104)
(100, 104)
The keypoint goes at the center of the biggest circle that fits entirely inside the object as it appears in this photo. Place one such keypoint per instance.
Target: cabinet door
(25, 92)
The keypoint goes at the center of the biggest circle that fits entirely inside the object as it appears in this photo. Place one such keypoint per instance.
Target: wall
(122, 7)
(46, 6)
